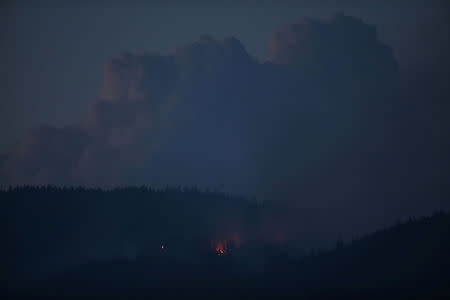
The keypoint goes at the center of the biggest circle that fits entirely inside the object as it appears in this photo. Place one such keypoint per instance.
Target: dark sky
(53, 52)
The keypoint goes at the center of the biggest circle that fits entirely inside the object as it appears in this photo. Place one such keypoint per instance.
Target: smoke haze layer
(326, 125)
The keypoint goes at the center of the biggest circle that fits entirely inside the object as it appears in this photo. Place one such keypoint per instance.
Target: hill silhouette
(409, 260)
(50, 228)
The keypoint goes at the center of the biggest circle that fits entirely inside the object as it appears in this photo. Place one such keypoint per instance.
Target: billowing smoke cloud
(320, 125)
(45, 155)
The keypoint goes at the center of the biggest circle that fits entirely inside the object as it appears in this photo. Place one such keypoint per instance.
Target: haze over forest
(333, 114)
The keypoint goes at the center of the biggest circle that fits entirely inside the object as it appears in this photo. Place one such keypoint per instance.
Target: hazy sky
(53, 52)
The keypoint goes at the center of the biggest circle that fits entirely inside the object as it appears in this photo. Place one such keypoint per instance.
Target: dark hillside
(49, 229)
(412, 254)
(407, 261)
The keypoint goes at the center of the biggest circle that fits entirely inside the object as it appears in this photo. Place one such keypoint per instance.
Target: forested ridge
(177, 235)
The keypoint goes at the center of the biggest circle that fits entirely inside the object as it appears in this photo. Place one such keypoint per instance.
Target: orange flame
(225, 246)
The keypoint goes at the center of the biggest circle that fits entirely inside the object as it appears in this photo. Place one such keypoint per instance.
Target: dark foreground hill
(410, 260)
(48, 229)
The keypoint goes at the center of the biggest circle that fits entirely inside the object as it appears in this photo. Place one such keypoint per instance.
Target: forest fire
(224, 247)
(221, 248)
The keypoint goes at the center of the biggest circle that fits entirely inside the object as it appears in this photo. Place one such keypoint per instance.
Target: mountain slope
(409, 260)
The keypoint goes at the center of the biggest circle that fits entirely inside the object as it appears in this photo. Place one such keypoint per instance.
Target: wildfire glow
(225, 246)
(220, 248)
